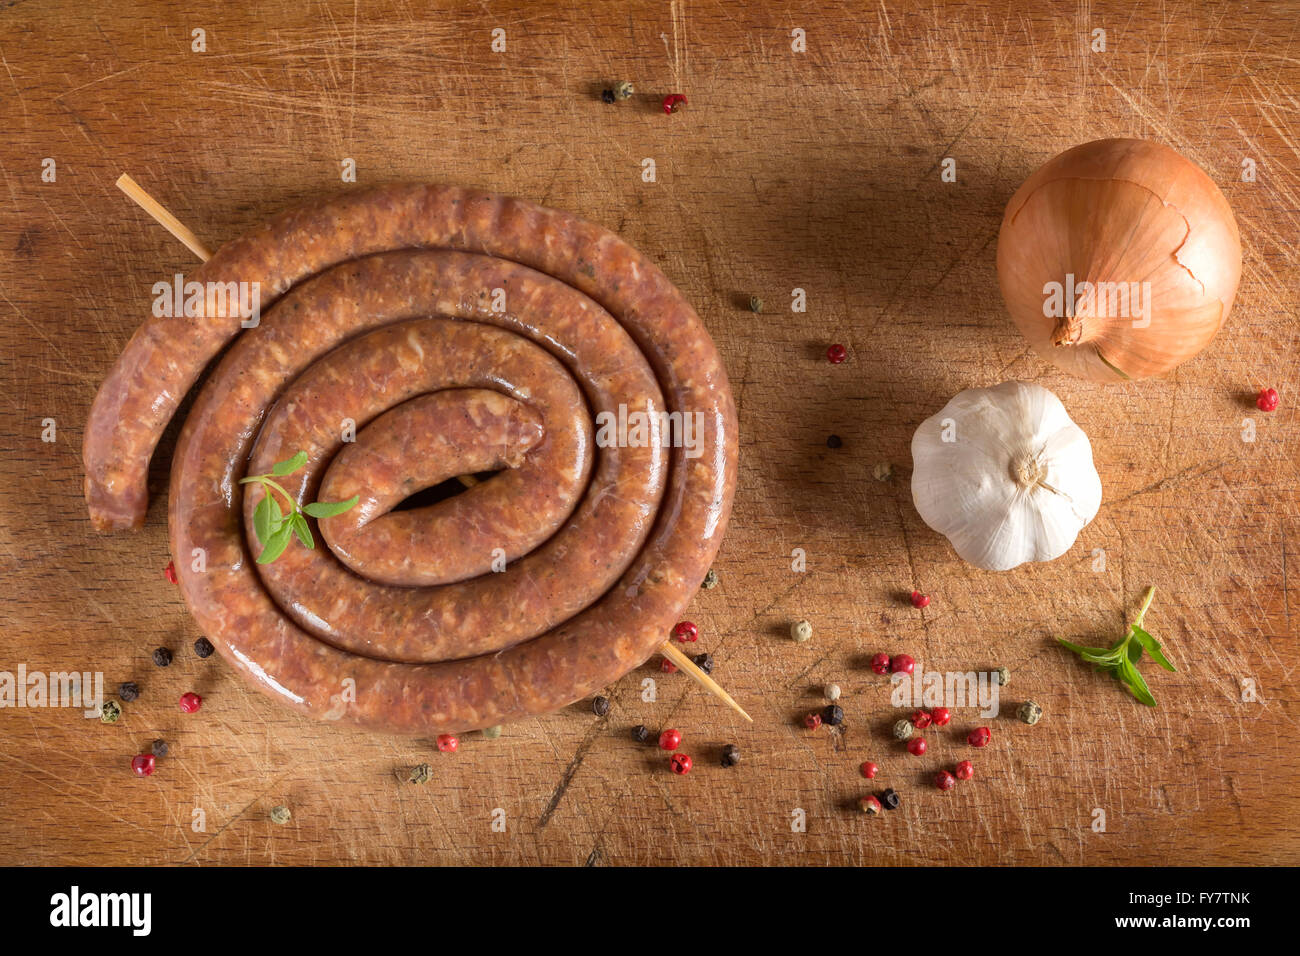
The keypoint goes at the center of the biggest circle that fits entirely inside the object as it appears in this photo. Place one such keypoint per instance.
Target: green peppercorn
(128, 691)
(903, 730)
(203, 648)
(755, 304)
(420, 773)
(110, 712)
(493, 732)
(159, 748)
(730, 755)
(1004, 675)
(1030, 712)
(280, 815)
(162, 657)
(710, 580)
(623, 90)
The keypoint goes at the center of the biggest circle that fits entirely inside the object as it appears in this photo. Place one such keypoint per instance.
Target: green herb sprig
(1122, 657)
(276, 528)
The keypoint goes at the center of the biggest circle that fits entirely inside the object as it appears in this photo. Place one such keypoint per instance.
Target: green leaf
(289, 465)
(1135, 651)
(1136, 684)
(1080, 649)
(1104, 659)
(1153, 648)
(262, 518)
(302, 530)
(278, 542)
(327, 509)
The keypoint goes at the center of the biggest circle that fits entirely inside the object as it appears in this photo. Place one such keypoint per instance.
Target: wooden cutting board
(817, 170)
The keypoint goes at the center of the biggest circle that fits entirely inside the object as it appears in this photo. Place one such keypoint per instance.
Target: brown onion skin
(1120, 210)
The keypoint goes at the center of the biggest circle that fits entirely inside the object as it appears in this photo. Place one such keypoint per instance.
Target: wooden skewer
(191, 241)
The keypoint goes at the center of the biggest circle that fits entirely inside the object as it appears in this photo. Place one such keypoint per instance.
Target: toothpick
(191, 241)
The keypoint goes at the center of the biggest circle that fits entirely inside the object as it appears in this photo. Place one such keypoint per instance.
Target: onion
(1118, 259)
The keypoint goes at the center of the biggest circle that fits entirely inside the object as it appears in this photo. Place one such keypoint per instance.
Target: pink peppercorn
(941, 716)
(812, 721)
(142, 765)
(916, 746)
(880, 663)
(680, 763)
(920, 600)
(979, 737)
(921, 720)
(1266, 400)
(191, 702)
(670, 739)
(902, 664)
(965, 770)
(448, 743)
(944, 780)
(836, 354)
(869, 770)
(686, 632)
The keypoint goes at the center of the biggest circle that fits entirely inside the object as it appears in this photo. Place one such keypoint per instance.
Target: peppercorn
(812, 721)
(880, 663)
(902, 664)
(110, 712)
(964, 770)
(493, 732)
(979, 737)
(1030, 712)
(834, 441)
(640, 733)
(730, 755)
(142, 765)
(190, 702)
(755, 304)
(916, 746)
(941, 716)
(903, 730)
(203, 648)
(667, 666)
(448, 743)
(280, 815)
(704, 662)
(680, 764)
(674, 101)
(607, 96)
(670, 739)
(128, 691)
(836, 354)
(869, 770)
(686, 632)
(883, 471)
(623, 90)
(1004, 675)
(710, 580)
(869, 804)
(1266, 400)
(169, 572)
(920, 600)
(833, 714)
(801, 631)
(419, 774)
(600, 706)
(922, 719)
(889, 800)
(832, 691)
(162, 657)
(159, 748)
(944, 780)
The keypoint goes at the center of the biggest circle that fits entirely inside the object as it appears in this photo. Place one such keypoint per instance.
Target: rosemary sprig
(274, 527)
(1122, 657)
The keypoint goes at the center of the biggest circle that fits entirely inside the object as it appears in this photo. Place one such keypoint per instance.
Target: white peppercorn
(801, 631)
(832, 691)
(903, 730)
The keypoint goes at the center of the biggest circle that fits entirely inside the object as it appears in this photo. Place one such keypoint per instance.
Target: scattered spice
(670, 739)
(169, 572)
(801, 631)
(640, 733)
(869, 804)
(832, 691)
(812, 721)
(965, 770)
(203, 648)
(889, 800)
(686, 632)
(869, 770)
(623, 90)
(667, 666)
(944, 780)
(902, 664)
(162, 657)
(922, 719)
(903, 730)
(704, 662)
(128, 691)
(833, 714)
(920, 600)
(880, 663)
(755, 304)
(883, 471)
(110, 712)
(159, 748)
(280, 815)
(917, 746)
(419, 774)
(1004, 675)
(190, 702)
(1266, 400)
(1030, 712)
(836, 354)
(142, 765)
(680, 764)
(710, 580)
(448, 743)
(493, 732)
(730, 755)
(834, 441)
(941, 716)
(979, 737)
(1122, 657)
(674, 101)
(600, 706)
(607, 96)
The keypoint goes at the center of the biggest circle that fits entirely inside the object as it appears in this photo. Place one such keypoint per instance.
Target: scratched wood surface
(817, 170)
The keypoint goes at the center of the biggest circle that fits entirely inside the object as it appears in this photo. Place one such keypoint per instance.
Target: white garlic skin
(1015, 481)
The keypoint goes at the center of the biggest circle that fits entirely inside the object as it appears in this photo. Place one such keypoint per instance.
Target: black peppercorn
(607, 96)
(704, 662)
(833, 714)
(162, 657)
(834, 441)
(128, 691)
(640, 733)
(889, 800)
(730, 755)
(600, 706)
(203, 647)
(159, 748)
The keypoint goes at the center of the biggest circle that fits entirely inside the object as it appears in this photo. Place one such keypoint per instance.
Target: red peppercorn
(1266, 400)
(667, 666)
(880, 663)
(680, 763)
(921, 719)
(812, 721)
(869, 804)
(448, 743)
(686, 632)
(920, 600)
(674, 101)
(670, 739)
(191, 702)
(944, 780)
(836, 354)
(869, 770)
(941, 716)
(142, 765)
(902, 664)
(965, 770)
(916, 746)
(979, 737)
(169, 572)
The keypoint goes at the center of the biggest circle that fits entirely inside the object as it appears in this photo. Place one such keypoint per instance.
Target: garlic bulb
(1005, 475)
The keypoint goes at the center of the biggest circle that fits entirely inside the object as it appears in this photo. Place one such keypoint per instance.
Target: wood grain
(817, 170)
